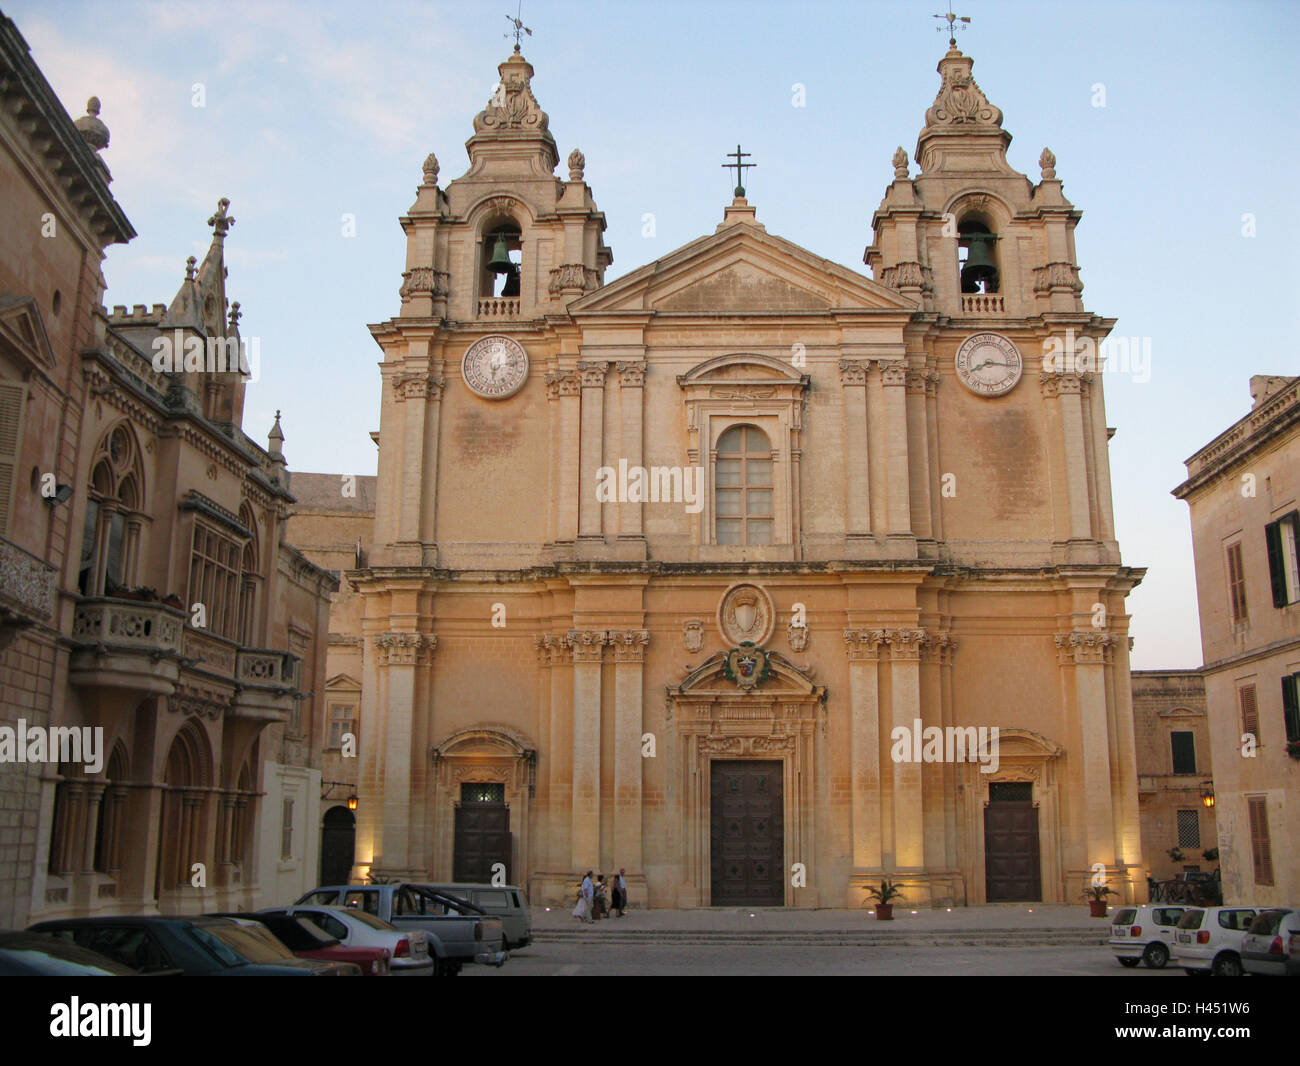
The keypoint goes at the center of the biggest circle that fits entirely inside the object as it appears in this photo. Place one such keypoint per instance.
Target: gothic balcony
(126, 644)
(210, 653)
(26, 591)
(268, 684)
(983, 303)
(498, 307)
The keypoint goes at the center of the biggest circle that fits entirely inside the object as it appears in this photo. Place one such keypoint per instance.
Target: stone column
(631, 392)
(588, 650)
(893, 376)
(400, 655)
(412, 391)
(94, 797)
(853, 380)
(905, 694)
(863, 648)
(919, 452)
(429, 470)
(629, 661)
(568, 392)
(1085, 655)
(592, 447)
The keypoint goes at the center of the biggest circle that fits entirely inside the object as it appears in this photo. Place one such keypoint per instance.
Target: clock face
(495, 367)
(988, 364)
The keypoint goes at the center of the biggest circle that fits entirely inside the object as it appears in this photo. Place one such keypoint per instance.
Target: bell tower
(502, 247)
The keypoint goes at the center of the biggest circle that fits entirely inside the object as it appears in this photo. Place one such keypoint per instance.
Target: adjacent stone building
(1174, 776)
(149, 601)
(1243, 491)
(668, 573)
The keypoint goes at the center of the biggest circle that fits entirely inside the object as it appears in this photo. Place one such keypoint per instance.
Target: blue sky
(319, 109)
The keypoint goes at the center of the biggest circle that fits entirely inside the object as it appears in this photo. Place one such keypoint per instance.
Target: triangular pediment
(742, 269)
(22, 329)
(343, 683)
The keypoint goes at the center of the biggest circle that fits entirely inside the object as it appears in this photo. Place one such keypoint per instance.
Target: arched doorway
(337, 843)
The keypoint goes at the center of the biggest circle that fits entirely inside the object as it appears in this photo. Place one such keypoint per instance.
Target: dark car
(196, 947)
(308, 941)
(36, 955)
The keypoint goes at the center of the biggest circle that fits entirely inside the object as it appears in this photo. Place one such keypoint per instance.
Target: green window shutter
(1276, 571)
(1291, 706)
(12, 396)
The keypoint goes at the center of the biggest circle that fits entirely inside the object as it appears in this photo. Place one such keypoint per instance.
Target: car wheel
(1155, 956)
(1196, 973)
(1129, 963)
(1227, 965)
(444, 968)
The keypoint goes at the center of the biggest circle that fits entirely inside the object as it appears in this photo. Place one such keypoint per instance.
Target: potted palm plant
(1096, 897)
(884, 897)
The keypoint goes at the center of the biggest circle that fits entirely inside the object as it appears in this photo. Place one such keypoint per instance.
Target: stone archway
(713, 718)
(490, 754)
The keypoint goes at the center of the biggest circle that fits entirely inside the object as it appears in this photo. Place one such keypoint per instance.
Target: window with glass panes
(742, 487)
(214, 578)
(341, 719)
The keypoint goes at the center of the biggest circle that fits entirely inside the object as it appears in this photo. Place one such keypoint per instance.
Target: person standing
(600, 908)
(583, 910)
(620, 892)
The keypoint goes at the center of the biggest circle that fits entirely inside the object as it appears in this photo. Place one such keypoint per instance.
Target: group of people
(596, 899)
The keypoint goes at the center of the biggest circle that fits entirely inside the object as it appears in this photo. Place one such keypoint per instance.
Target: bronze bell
(500, 261)
(980, 265)
(511, 286)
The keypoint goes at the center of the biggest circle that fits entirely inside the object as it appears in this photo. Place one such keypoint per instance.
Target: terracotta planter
(1097, 908)
(884, 912)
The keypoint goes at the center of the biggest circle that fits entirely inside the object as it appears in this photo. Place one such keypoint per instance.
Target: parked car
(1272, 943)
(408, 948)
(1144, 933)
(1208, 940)
(308, 941)
(38, 955)
(197, 947)
(459, 932)
(507, 902)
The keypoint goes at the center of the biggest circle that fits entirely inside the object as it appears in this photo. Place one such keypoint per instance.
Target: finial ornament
(739, 168)
(220, 221)
(1048, 162)
(431, 169)
(235, 315)
(519, 29)
(577, 161)
(900, 163)
(952, 21)
(190, 268)
(92, 130)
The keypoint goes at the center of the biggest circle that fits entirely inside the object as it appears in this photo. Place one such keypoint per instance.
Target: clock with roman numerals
(988, 364)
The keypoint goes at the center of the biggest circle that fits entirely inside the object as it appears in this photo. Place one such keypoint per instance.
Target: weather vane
(516, 20)
(739, 168)
(952, 21)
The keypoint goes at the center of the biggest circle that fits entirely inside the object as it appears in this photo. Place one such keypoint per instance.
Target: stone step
(846, 938)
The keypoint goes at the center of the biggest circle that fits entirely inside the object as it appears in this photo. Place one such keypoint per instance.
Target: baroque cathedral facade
(659, 570)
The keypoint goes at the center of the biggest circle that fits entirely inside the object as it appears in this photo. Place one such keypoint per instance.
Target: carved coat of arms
(746, 615)
(747, 666)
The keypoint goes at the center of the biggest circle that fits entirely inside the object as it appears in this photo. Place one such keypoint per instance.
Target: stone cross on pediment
(220, 221)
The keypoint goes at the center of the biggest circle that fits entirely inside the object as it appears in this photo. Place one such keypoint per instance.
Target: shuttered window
(1183, 748)
(1261, 851)
(1291, 707)
(1283, 563)
(1249, 711)
(1236, 584)
(12, 396)
(1189, 829)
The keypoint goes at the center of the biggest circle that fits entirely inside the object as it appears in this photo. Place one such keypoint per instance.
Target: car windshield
(372, 921)
(245, 943)
(1124, 917)
(1191, 920)
(322, 898)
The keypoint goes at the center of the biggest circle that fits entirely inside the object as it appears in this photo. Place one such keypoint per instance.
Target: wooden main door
(482, 834)
(747, 834)
(337, 845)
(1011, 862)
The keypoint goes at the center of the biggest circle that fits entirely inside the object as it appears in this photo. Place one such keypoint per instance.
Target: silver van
(507, 902)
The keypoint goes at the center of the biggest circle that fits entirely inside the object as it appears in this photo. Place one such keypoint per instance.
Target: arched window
(977, 257)
(742, 481)
(110, 537)
(502, 261)
(249, 580)
(108, 835)
(187, 779)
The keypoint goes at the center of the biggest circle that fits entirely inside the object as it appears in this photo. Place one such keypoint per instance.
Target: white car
(1144, 933)
(356, 928)
(1272, 943)
(1208, 940)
